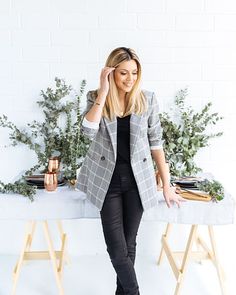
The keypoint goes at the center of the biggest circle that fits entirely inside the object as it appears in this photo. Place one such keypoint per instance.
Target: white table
(66, 203)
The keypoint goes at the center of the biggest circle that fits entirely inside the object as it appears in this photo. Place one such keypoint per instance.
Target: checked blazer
(97, 168)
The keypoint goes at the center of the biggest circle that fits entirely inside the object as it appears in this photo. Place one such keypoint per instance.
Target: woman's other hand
(104, 82)
(170, 196)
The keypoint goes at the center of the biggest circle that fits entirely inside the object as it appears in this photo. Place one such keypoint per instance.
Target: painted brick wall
(180, 43)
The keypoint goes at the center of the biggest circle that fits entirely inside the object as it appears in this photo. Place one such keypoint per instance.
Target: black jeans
(121, 215)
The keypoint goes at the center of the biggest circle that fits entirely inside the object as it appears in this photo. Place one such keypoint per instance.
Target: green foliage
(19, 187)
(213, 188)
(49, 138)
(184, 138)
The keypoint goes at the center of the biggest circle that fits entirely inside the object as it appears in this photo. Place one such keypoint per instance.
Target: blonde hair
(136, 99)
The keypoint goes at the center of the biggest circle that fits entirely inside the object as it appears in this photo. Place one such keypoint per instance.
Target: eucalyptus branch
(184, 139)
(18, 187)
(213, 188)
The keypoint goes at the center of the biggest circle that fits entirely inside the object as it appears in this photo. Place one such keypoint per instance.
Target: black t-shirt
(123, 139)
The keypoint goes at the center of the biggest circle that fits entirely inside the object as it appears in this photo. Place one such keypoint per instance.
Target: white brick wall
(180, 43)
(185, 6)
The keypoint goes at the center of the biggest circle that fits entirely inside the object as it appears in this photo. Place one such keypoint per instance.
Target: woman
(117, 173)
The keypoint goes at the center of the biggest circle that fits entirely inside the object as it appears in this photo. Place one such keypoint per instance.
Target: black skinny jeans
(121, 215)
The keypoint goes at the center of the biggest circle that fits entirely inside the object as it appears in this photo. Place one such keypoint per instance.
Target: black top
(123, 139)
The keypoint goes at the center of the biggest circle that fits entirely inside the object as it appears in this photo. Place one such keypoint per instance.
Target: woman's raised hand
(104, 82)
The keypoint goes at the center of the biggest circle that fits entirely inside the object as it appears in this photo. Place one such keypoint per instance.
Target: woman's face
(126, 75)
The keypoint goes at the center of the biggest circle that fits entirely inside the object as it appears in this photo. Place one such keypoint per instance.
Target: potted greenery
(59, 134)
(185, 135)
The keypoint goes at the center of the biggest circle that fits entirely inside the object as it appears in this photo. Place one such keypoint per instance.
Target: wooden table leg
(53, 257)
(63, 241)
(166, 235)
(26, 243)
(51, 254)
(185, 256)
(31, 234)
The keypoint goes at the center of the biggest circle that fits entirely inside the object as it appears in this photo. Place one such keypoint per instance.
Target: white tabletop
(66, 203)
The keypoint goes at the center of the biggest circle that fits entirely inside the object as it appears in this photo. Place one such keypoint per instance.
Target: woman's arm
(168, 191)
(89, 127)
(159, 158)
(93, 112)
(155, 142)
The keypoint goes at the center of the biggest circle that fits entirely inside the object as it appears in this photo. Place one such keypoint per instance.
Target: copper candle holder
(53, 164)
(50, 181)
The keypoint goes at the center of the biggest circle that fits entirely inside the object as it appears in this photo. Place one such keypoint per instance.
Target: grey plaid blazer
(96, 171)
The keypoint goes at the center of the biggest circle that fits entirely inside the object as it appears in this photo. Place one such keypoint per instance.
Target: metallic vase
(53, 164)
(50, 181)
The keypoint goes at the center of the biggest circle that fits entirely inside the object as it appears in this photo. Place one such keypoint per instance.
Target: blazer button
(102, 158)
(145, 159)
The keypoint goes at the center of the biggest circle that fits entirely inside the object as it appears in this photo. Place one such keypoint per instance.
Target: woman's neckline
(123, 117)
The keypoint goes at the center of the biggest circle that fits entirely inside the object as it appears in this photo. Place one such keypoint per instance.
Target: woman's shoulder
(151, 99)
(148, 95)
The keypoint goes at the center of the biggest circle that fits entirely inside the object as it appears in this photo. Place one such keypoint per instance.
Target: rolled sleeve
(156, 147)
(154, 126)
(88, 128)
(88, 124)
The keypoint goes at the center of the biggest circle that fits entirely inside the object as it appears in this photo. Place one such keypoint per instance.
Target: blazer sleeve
(154, 126)
(88, 128)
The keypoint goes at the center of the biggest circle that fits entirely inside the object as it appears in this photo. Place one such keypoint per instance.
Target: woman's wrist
(100, 100)
(99, 103)
(102, 94)
(166, 186)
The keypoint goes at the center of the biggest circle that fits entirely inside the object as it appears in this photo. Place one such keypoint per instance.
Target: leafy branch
(184, 138)
(213, 188)
(18, 187)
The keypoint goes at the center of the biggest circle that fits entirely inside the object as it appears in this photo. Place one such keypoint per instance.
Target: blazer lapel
(135, 124)
(112, 130)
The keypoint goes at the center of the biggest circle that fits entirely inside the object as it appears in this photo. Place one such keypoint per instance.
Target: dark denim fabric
(121, 215)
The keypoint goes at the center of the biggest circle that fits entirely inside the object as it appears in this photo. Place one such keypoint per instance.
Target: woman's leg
(115, 215)
(132, 214)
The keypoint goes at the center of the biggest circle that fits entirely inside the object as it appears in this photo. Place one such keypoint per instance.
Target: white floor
(94, 275)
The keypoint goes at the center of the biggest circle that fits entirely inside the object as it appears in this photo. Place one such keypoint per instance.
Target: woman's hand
(104, 82)
(170, 195)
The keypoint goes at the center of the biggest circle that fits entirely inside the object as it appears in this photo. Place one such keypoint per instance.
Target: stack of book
(187, 187)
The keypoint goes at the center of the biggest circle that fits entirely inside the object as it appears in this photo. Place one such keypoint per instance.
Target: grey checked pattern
(98, 166)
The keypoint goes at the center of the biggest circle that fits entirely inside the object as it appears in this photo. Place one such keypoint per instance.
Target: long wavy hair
(136, 102)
